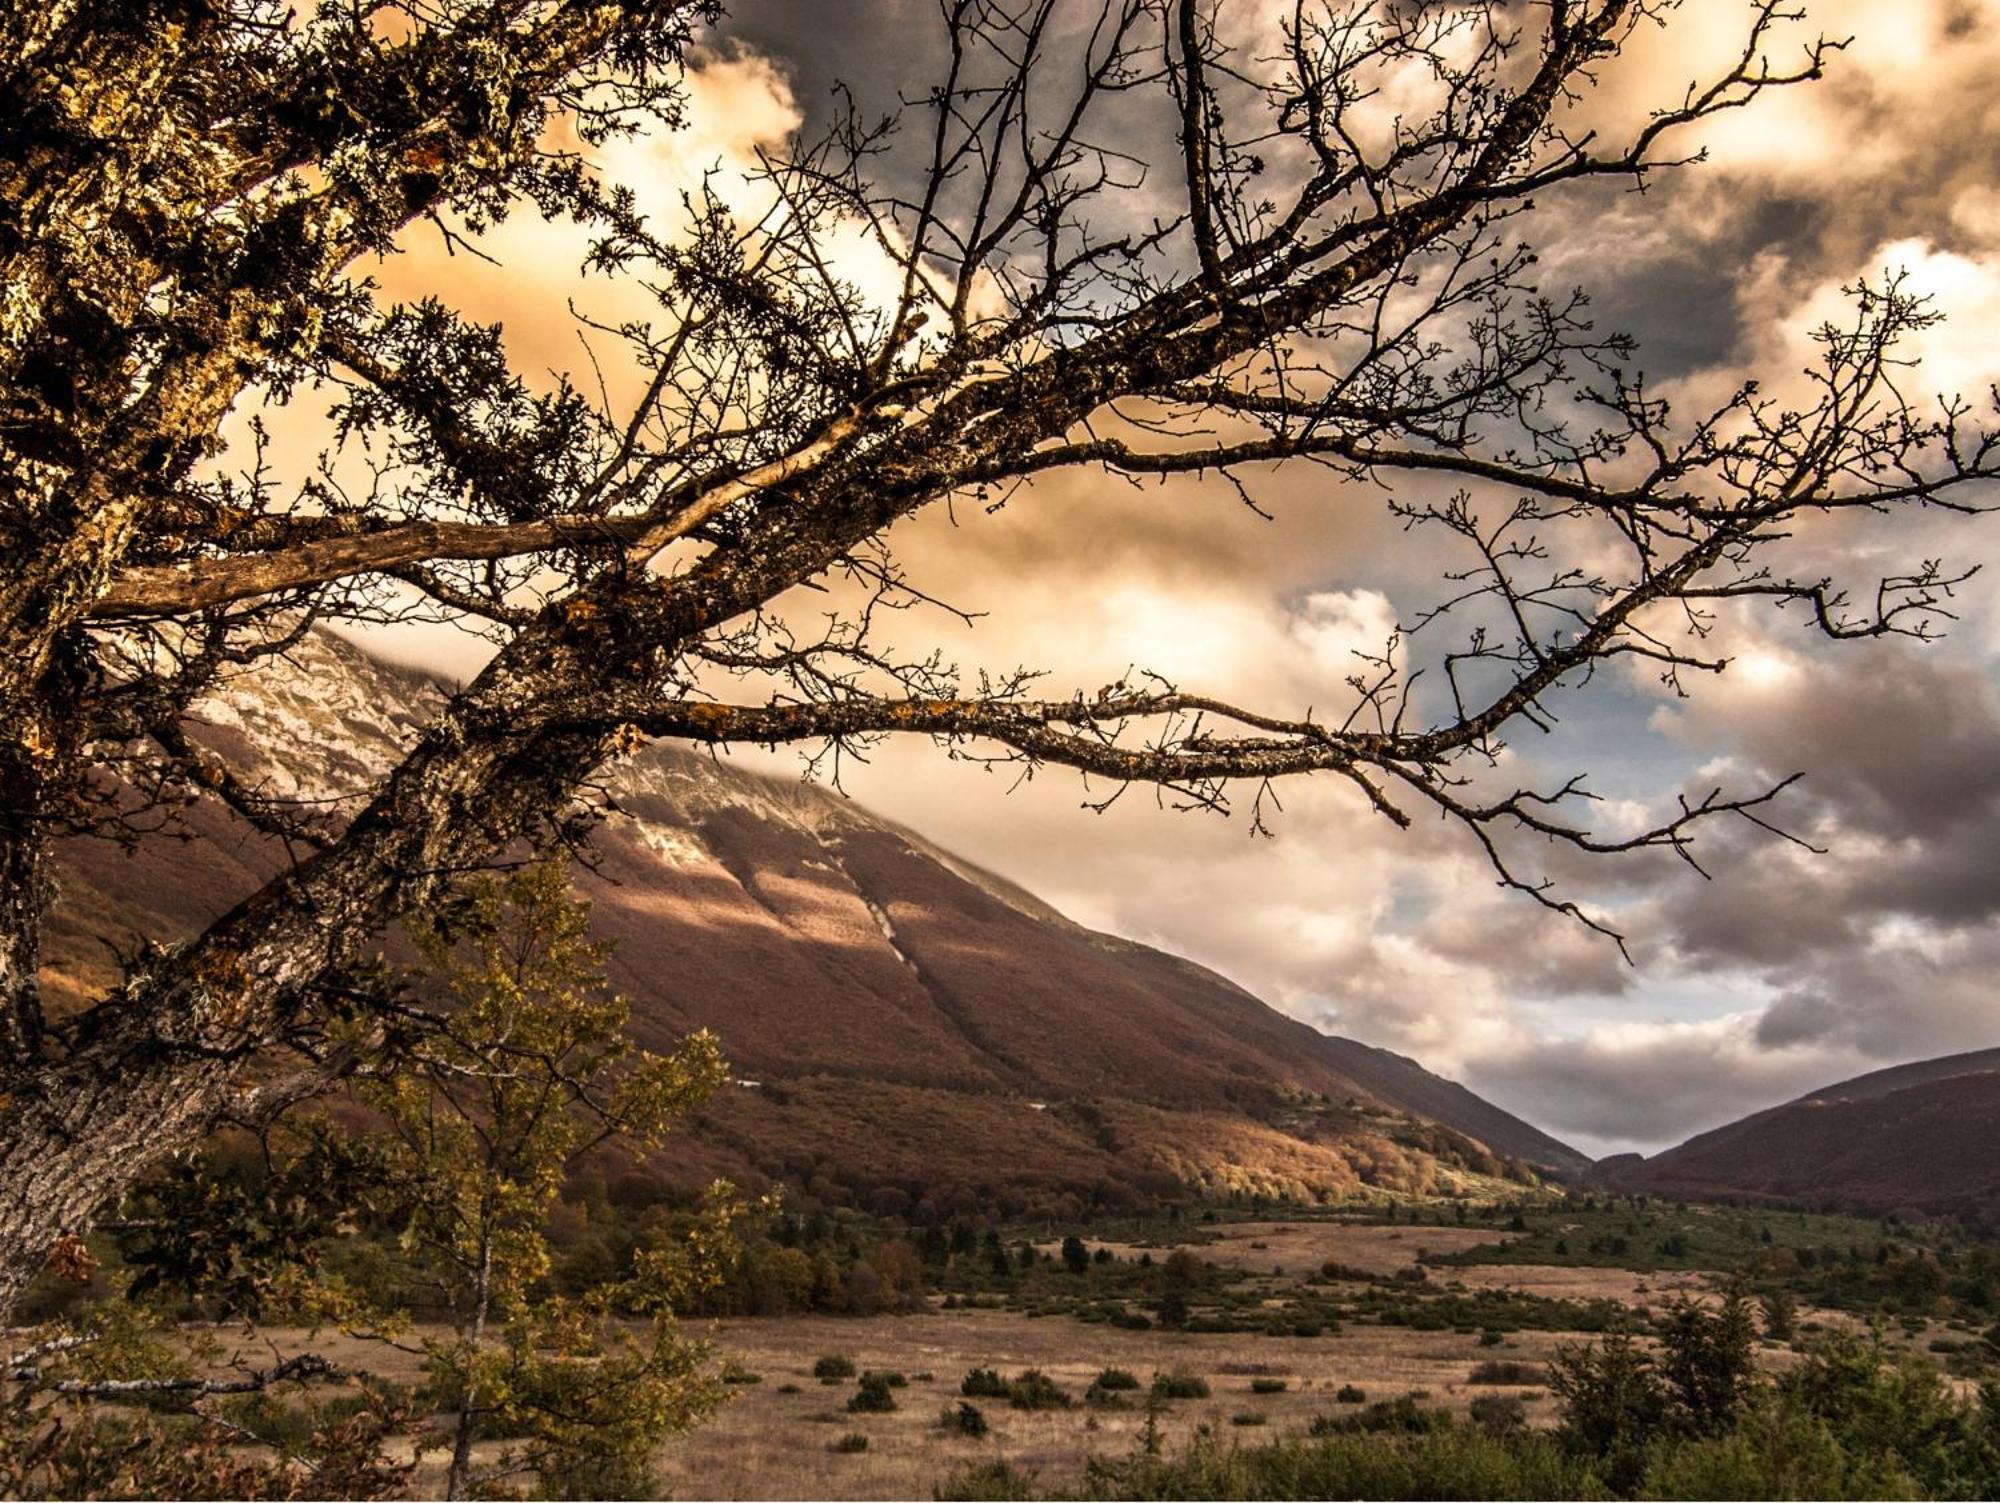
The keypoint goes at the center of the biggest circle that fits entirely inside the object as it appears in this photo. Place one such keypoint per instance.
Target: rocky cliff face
(901, 1023)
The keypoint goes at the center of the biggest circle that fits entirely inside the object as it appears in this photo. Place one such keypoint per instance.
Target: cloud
(1785, 972)
(1637, 1086)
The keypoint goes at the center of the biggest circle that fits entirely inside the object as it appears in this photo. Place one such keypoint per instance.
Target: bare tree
(1297, 273)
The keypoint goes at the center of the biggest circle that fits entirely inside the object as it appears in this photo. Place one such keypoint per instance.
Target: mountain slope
(904, 1023)
(1918, 1137)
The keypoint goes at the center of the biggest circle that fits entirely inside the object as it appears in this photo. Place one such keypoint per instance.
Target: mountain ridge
(906, 1023)
(1915, 1138)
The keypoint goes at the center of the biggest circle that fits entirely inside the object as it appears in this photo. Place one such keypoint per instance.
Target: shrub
(833, 1369)
(1179, 1384)
(1349, 1394)
(1075, 1256)
(596, 1472)
(1116, 1380)
(873, 1396)
(1781, 1315)
(983, 1383)
(789, 1388)
(1612, 1403)
(1247, 1417)
(1402, 1415)
(998, 1481)
(1452, 1463)
(894, 1380)
(850, 1444)
(1035, 1389)
(1779, 1451)
(1490, 1337)
(1499, 1413)
(1706, 1360)
(1268, 1385)
(1508, 1374)
(736, 1374)
(966, 1419)
(286, 1427)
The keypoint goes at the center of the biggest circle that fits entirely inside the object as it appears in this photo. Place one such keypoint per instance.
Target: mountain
(901, 1024)
(1915, 1138)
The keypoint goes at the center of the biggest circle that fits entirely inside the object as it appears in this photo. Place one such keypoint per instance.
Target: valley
(1023, 1208)
(1294, 1326)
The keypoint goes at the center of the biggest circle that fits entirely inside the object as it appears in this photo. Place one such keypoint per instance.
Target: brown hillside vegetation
(1919, 1138)
(901, 1025)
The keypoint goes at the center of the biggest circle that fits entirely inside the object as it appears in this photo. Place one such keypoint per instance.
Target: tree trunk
(461, 1442)
(148, 1071)
(24, 895)
(81, 1138)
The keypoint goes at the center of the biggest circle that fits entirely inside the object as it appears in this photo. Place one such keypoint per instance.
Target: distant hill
(902, 1024)
(1921, 1137)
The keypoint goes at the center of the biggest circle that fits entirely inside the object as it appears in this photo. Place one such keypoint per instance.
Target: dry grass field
(778, 1436)
(769, 1443)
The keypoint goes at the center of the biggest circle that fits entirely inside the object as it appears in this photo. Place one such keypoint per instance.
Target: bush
(1179, 1384)
(590, 1472)
(1612, 1404)
(1499, 1413)
(1781, 1316)
(873, 1397)
(1246, 1418)
(998, 1481)
(851, 1444)
(1035, 1389)
(1268, 1385)
(833, 1369)
(1451, 1463)
(1400, 1415)
(1508, 1374)
(1116, 1380)
(1349, 1394)
(283, 1426)
(983, 1383)
(965, 1419)
(1777, 1450)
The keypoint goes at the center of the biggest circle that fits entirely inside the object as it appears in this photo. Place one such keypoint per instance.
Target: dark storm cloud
(1881, 949)
(876, 48)
(1807, 968)
(1641, 1089)
(1900, 755)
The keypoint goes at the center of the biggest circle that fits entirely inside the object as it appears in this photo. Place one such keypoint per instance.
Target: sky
(1784, 971)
